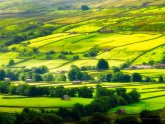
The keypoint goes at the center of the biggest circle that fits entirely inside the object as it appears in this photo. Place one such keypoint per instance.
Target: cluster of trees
(75, 74)
(107, 99)
(27, 90)
(84, 7)
(36, 31)
(103, 102)
(120, 77)
(36, 74)
(86, 68)
(63, 115)
(92, 53)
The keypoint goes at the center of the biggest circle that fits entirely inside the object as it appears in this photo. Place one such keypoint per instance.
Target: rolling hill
(54, 32)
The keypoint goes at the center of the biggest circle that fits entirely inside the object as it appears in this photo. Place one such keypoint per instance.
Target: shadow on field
(16, 97)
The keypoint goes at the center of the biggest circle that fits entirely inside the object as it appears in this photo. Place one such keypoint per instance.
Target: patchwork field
(152, 98)
(60, 33)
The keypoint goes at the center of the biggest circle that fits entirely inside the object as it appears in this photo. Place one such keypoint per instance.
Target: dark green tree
(11, 62)
(102, 65)
(2, 75)
(84, 7)
(136, 77)
(127, 120)
(149, 117)
(99, 118)
(161, 79)
(75, 73)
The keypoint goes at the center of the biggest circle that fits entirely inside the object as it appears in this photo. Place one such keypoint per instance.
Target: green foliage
(149, 117)
(84, 7)
(2, 75)
(75, 74)
(136, 77)
(102, 65)
(161, 79)
(127, 120)
(99, 118)
(85, 92)
(48, 77)
(11, 62)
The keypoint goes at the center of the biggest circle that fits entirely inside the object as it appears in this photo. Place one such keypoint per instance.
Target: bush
(136, 77)
(99, 118)
(127, 120)
(84, 7)
(102, 65)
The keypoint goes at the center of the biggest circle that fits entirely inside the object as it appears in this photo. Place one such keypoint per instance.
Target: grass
(155, 73)
(151, 98)
(152, 94)
(149, 104)
(38, 62)
(20, 102)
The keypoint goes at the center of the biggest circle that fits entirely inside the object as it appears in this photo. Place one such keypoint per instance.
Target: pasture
(152, 98)
(17, 103)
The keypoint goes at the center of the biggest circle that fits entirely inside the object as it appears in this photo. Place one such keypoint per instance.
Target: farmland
(152, 98)
(105, 55)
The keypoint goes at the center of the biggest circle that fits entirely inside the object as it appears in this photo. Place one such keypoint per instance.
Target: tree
(147, 79)
(127, 120)
(102, 65)
(4, 87)
(75, 73)
(76, 57)
(11, 62)
(51, 118)
(84, 7)
(136, 77)
(85, 92)
(48, 77)
(108, 77)
(61, 77)
(134, 95)
(86, 76)
(41, 70)
(148, 117)
(37, 77)
(115, 69)
(2, 75)
(99, 118)
(163, 60)
(161, 79)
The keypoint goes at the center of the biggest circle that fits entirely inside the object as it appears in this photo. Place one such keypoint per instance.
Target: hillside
(58, 33)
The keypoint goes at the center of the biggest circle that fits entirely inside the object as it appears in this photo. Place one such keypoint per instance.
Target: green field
(59, 33)
(152, 98)
(149, 104)
(11, 103)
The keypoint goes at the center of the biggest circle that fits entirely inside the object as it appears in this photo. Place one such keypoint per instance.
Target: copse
(2, 75)
(84, 7)
(76, 74)
(136, 77)
(11, 62)
(102, 65)
(161, 79)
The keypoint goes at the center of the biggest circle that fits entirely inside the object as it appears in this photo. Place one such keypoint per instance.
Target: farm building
(161, 66)
(76, 82)
(66, 97)
(139, 67)
(106, 31)
(29, 80)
